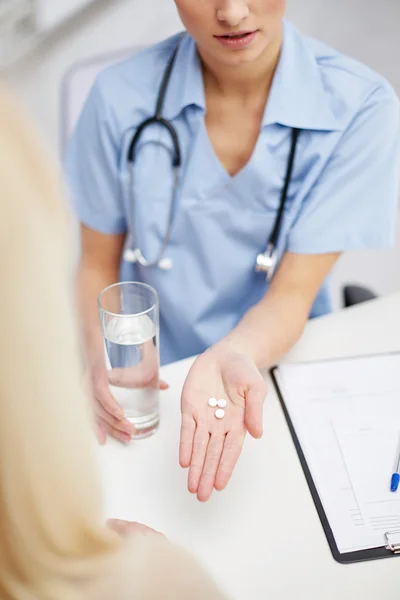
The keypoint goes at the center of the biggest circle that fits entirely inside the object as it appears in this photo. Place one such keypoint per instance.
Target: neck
(242, 81)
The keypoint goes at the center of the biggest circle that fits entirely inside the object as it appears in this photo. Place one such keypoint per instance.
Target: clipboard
(391, 540)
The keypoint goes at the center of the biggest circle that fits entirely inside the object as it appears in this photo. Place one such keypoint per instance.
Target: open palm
(210, 447)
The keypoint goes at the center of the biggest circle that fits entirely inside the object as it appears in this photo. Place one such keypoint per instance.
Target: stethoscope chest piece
(134, 256)
(266, 262)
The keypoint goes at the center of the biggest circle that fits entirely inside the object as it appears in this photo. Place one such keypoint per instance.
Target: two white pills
(221, 404)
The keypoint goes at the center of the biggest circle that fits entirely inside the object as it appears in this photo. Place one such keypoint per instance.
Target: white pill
(220, 413)
(212, 402)
(221, 403)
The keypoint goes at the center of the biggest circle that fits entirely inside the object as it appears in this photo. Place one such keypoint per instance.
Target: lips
(237, 40)
(236, 35)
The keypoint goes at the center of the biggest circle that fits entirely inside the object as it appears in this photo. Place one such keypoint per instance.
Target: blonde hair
(54, 544)
(52, 533)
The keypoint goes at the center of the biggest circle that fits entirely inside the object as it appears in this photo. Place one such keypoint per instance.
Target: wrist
(246, 343)
(230, 346)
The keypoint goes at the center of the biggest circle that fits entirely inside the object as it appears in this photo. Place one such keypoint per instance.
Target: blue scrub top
(342, 196)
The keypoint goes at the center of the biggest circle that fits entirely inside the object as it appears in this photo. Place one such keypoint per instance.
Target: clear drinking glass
(129, 316)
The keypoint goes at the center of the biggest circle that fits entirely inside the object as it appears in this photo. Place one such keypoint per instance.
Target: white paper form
(370, 452)
(317, 395)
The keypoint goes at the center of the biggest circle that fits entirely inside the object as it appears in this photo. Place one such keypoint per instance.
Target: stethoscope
(266, 261)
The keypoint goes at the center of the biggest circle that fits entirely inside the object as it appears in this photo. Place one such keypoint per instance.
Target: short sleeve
(91, 168)
(353, 205)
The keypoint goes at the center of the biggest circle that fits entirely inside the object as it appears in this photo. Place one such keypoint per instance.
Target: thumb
(253, 418)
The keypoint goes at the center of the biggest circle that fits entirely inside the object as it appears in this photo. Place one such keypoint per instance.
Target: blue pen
(394, 483)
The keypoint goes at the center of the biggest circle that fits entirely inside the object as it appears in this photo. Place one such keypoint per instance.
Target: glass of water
(129, 316)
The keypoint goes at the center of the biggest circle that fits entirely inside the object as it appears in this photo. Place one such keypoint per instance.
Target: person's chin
(240, 58)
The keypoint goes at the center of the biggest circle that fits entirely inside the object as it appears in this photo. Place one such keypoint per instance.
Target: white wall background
(365, 29)
(51, 12)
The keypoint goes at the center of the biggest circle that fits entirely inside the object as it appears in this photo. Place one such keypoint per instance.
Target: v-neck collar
(298, 97)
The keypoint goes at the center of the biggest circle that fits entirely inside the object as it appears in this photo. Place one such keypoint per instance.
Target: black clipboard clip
(392, 539)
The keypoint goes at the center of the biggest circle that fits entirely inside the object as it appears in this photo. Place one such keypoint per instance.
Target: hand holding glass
(129, 316)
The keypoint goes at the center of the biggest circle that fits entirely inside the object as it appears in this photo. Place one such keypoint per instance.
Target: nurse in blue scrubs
(247, 92)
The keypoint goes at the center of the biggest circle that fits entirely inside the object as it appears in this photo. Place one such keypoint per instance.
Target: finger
(117, 525)
(200, 443)
(124, 528)
(101, 434)
(125, 438)
(188, 429)
(124, 426)
(232, 448)
(207, 481)
(164, 385)
(108, 402)
(253, 417)
(140, 529)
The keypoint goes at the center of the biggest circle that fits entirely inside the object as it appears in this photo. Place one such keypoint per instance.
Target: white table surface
(261, 538)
